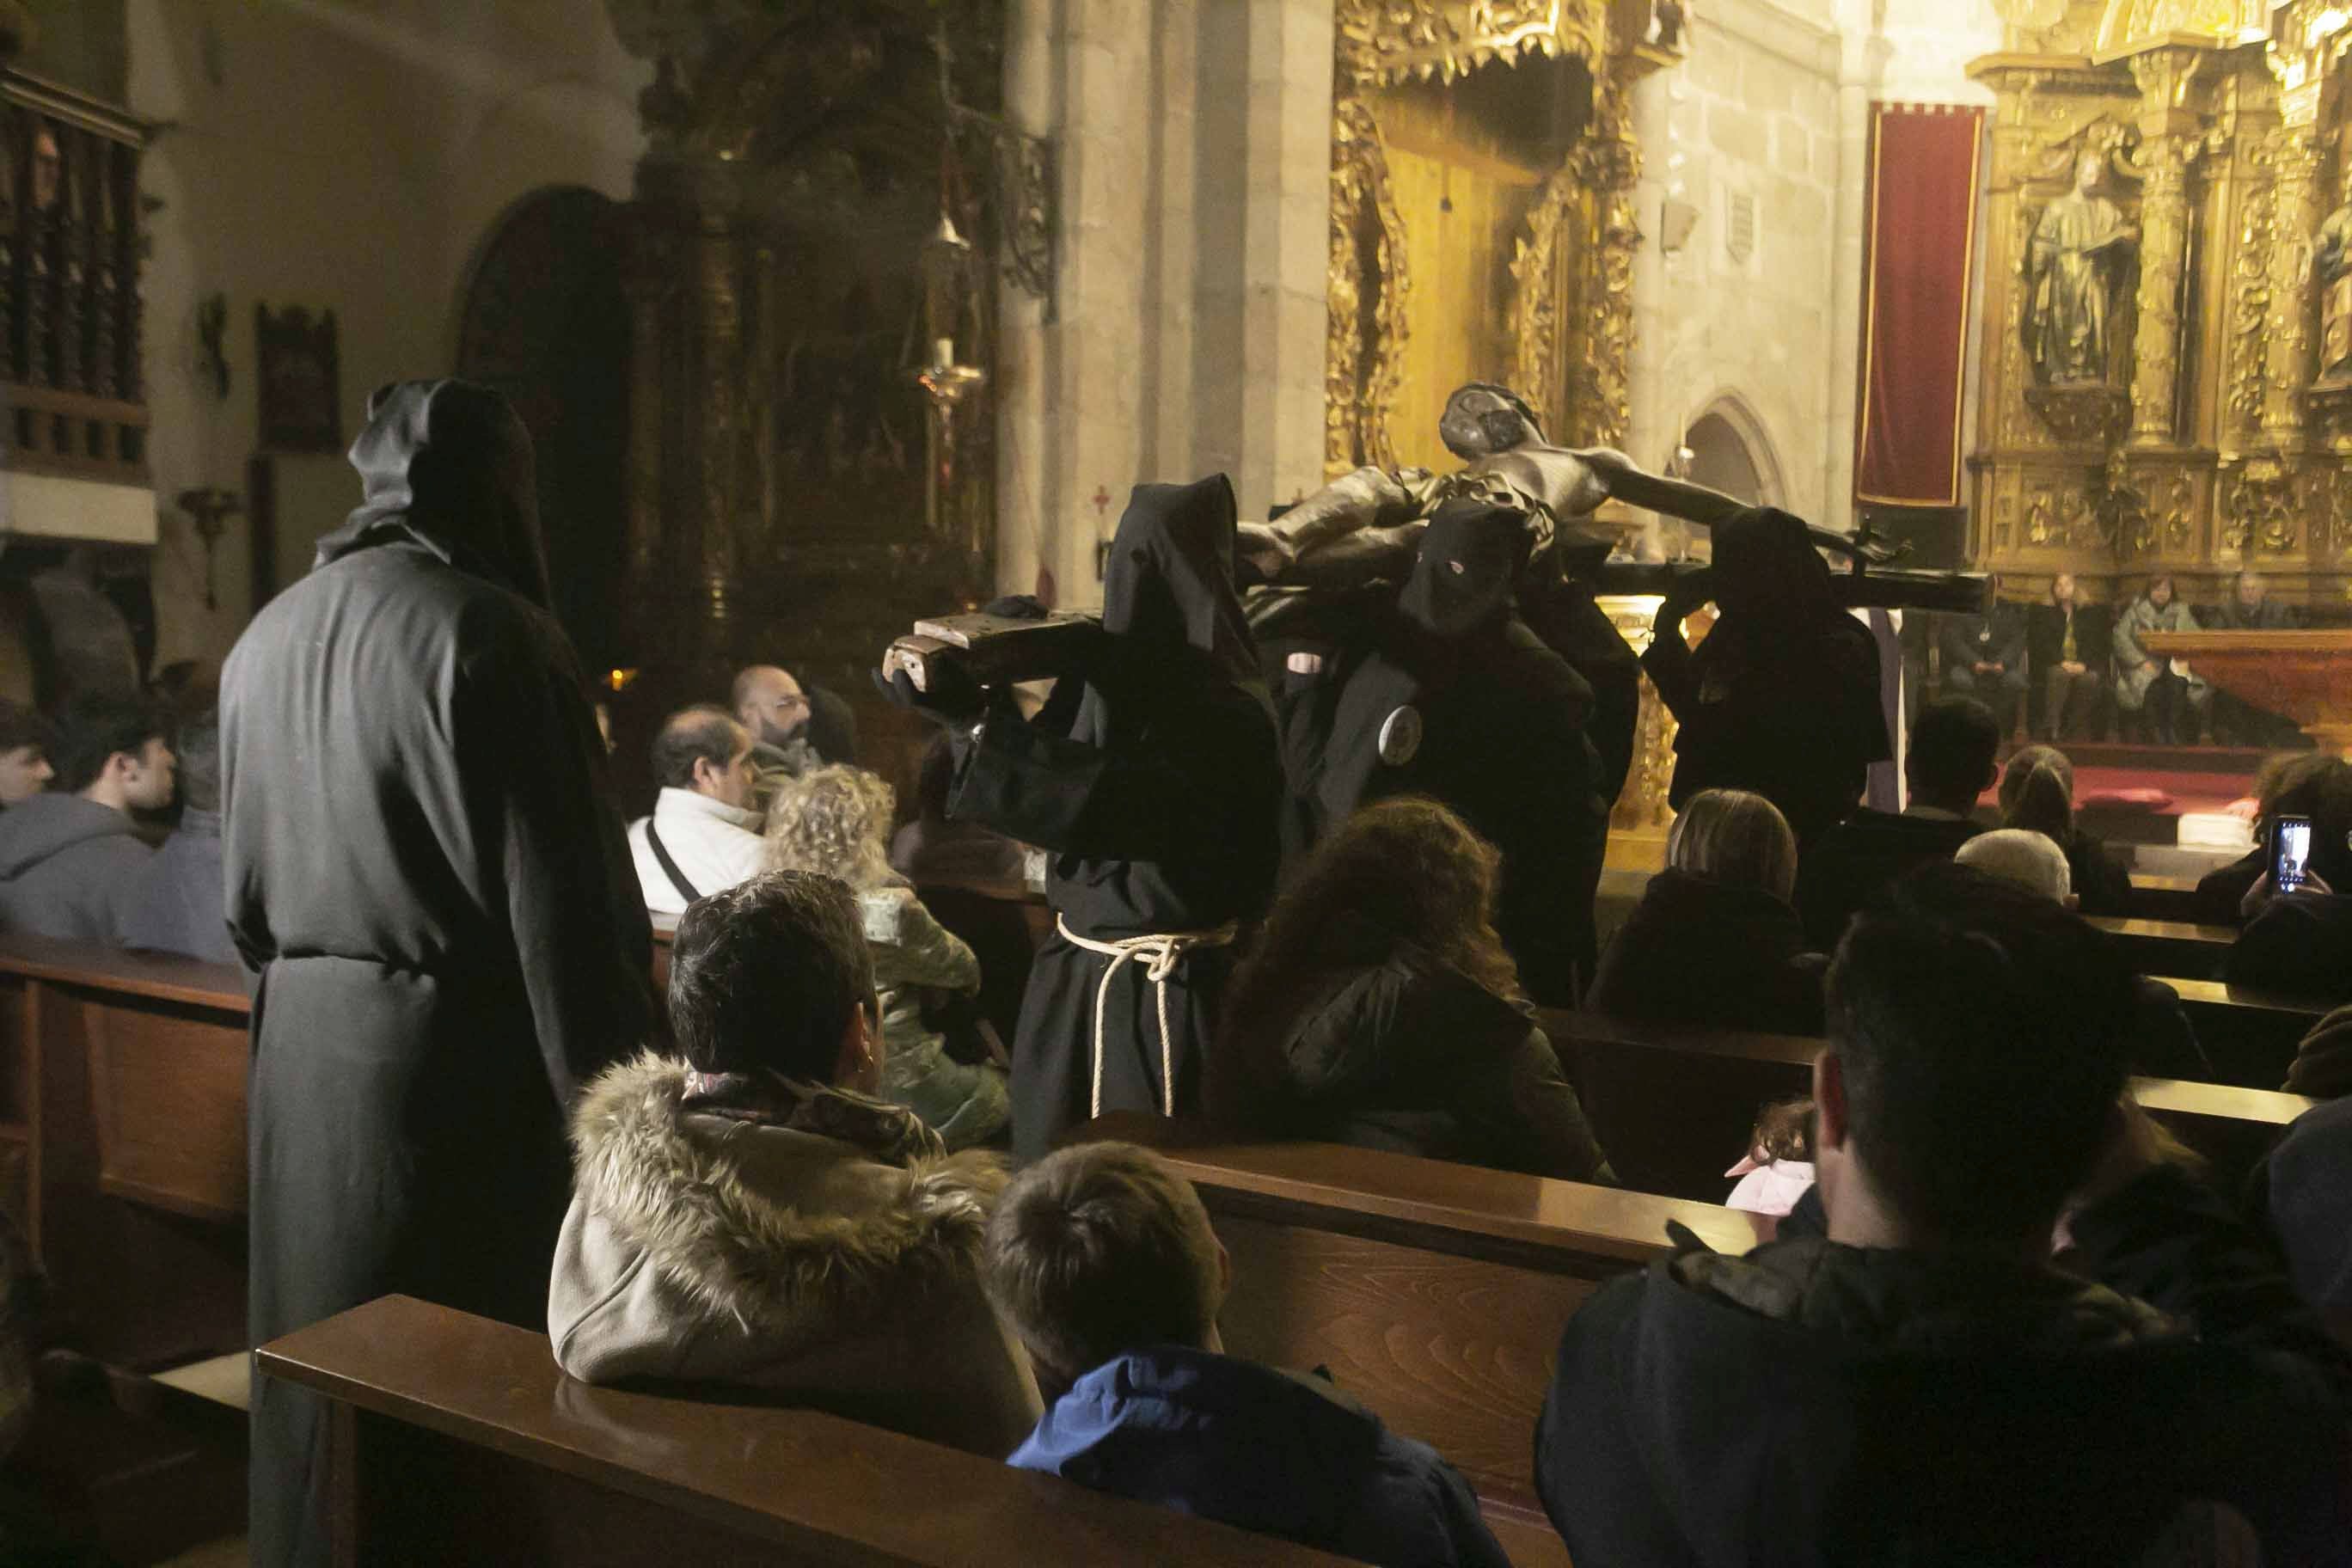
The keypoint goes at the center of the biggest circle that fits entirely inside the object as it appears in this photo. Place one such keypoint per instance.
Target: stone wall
(1739, 319)
(336, 154)
(1186, 334)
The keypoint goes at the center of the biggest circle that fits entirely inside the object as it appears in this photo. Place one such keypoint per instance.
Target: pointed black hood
(448, 465)
(1170, 578)
(1468, 569)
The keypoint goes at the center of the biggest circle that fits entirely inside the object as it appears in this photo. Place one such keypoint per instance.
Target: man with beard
(425, 865)
(1151, 780)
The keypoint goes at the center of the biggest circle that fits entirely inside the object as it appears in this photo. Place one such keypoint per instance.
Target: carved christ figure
(2080, 251)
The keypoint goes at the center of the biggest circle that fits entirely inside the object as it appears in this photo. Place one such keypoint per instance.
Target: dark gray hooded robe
(1155, 782)
(424, 864)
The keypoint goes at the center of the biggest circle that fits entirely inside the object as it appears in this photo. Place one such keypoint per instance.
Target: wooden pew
(1673, 1106)
(2170, 947)
(2159, 897)
(123, 1095)
(458, 1441)
(1433, 1292)
(2250, 1035)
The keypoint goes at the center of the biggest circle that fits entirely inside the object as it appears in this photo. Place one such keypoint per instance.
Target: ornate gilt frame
(1587, 206)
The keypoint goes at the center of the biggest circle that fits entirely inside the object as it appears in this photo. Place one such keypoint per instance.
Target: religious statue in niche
(2080, 251)
(2331, 264)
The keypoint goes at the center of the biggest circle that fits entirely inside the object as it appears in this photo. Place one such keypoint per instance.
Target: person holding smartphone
(2298, 933)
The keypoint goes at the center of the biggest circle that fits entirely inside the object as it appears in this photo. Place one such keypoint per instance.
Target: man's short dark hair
(705, 731)
(1985, 1033)
(1953, 744)
(1099, 1249)
(768, 973)
(198, 749)
(21, 726)
(99, 728)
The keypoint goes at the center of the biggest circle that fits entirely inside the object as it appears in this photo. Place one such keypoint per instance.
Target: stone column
(2298, 207)
(1861, 63)
(2163, 250)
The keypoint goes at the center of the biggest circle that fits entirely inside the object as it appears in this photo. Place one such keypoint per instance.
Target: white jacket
(716, 846)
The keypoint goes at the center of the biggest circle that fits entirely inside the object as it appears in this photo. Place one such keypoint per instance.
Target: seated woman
(747, 1214)
(1716, 939)
(2315, 784)
(2162, 701)
(1379, 1009)
(2037, 794)
(835, 820)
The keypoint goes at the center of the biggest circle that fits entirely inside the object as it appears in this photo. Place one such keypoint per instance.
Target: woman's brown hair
(1408, 868)
(2037, 793)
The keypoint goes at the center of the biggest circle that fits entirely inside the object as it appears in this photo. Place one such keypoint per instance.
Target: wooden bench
(2250, 1036)
(1433, 1292)
(1675, 1105)
(2161, 898)
(122, 1081)
(2170, 947)
(458, 1441)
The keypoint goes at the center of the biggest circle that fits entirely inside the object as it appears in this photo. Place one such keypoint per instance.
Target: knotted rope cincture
(1159, 953)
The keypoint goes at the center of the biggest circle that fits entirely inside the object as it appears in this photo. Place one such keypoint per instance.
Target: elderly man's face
(2251, 590)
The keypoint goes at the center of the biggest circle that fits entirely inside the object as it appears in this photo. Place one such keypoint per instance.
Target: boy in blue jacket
(1102, 1262)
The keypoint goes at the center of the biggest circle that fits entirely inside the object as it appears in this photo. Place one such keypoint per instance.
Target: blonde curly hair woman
(835, 820)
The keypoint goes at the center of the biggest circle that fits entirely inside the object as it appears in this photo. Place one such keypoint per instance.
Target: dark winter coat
(70, 869)
(2306, 1188)
(2322, 1060)
(1263, 1450)
(1706, 952)
(176, 906)
(2101, 884)
(2300, 945)
(1815, 1404)
(1391, 1047)
(1154, 784)
(424, 864)
(1860, 858)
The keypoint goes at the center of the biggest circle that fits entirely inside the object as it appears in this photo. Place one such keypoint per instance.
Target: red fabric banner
(1915, 313)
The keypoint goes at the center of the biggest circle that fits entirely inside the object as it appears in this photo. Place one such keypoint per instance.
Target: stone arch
(1734, 451)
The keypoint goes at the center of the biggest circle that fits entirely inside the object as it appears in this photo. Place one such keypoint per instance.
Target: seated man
(1102, 1260)
(176, 906)
(1950, 763)
(704, 832)
(2236, 722)
(1922, 1383)
(793, 727)
(25, 740)
(70, 859)
(1983, 657)
(2164, 1045)
(748, 1213)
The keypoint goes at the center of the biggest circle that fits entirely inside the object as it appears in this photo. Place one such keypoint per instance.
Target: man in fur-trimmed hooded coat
(826, 1251)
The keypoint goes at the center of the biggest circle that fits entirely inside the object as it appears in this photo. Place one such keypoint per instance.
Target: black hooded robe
(424, 862)
(1783, 698)
(1503, 740)
(1155, 784)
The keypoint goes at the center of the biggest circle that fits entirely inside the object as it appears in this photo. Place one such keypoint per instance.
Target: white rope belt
(1159, 953)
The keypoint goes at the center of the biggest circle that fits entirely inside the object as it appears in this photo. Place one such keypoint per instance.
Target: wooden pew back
(125, 1080)
(1433, 1292)
(2170, 947)
(458, 1441)
(1673, 1106)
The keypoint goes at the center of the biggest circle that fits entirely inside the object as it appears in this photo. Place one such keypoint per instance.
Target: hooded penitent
(425, 865)
(1154, 782)
(1783, 698)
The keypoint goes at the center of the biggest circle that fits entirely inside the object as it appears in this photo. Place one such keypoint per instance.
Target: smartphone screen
(2290, 852)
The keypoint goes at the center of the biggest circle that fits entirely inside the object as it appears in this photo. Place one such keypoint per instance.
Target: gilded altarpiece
(2157, 392)
(1482, 223)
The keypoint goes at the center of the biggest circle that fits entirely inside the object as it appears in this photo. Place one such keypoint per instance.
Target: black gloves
(955, 700)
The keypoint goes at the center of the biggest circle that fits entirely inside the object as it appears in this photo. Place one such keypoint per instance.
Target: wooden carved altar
(793, 494)
(2158, 392)
(1482, 225)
